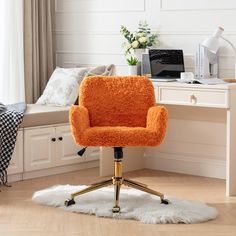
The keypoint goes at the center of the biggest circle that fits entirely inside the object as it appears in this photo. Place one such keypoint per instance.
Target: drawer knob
(60, 138)
(53, 139)
(193, 99)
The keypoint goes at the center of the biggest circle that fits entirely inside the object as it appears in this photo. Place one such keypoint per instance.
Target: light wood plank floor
(20, 216)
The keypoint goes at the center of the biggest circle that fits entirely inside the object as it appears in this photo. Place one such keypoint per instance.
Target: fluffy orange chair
(118, 111)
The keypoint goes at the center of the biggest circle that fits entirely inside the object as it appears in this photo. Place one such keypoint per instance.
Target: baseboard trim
(52, 171)
(191, 165)
(14, 177)
(60, 170)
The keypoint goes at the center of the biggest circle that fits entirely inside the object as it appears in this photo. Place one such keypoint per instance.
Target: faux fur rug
(134, 205)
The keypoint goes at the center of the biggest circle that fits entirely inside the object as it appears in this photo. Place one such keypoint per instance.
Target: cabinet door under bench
(53, 146)
(49, 146)
(66, 148)
(39, 148)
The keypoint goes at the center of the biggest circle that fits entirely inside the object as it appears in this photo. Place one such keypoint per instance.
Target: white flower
(127, 46)
(139, 35)
(142, 40)
(135, 44)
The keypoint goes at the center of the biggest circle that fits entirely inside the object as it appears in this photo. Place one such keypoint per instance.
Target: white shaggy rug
(134, 205)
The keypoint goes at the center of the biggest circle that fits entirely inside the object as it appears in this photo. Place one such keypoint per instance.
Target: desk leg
(231, 148)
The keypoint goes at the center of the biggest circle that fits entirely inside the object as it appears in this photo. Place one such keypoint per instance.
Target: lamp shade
(212, 43)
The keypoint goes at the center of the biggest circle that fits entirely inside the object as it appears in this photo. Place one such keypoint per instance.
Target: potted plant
(132, 62)
(139, 41)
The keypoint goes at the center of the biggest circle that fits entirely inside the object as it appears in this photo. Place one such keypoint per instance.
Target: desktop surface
(185, 85)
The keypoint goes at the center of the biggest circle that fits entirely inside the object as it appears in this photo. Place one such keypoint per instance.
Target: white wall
(86, 32)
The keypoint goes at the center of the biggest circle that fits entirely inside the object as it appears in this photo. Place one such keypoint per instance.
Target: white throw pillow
(63, 86)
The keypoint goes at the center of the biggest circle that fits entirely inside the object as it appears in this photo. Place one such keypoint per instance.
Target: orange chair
(117, 111)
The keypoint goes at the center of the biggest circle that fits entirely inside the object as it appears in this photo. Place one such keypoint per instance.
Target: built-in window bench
(45, 145)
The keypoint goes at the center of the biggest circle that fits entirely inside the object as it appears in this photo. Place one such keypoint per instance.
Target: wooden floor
(20, 216)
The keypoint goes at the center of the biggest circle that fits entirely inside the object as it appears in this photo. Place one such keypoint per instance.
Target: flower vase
(133, 70)
(138, 54)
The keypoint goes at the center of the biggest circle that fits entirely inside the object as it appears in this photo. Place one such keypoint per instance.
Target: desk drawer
(197, 97)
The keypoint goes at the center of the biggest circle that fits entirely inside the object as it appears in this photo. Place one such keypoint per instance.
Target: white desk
(208, 96)
(213, 109)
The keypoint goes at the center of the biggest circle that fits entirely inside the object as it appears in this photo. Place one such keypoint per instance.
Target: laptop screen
(166, 63)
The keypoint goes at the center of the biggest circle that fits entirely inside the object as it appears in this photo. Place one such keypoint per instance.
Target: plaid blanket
(11, 117)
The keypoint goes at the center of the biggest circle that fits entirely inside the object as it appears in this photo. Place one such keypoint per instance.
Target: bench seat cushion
(39, 115)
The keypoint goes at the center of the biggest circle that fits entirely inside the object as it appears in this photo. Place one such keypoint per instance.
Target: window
(11, 51)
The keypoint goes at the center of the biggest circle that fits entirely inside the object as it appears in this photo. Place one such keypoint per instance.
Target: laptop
(166, 64)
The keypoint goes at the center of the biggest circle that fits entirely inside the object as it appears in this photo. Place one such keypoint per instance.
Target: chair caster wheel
(164, 201)
(116, 209)
(69, 202)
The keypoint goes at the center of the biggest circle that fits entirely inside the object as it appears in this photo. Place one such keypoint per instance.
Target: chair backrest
(117, 100)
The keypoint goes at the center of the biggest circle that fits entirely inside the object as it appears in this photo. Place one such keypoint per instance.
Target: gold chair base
(116, 181)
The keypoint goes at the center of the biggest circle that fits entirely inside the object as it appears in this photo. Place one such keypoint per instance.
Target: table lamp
(212, 44)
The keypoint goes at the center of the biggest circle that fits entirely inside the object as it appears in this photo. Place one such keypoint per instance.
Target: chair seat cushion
(119, 136)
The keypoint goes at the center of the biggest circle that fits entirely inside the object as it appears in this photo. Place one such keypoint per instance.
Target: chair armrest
(79, 121)
(157, 120)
